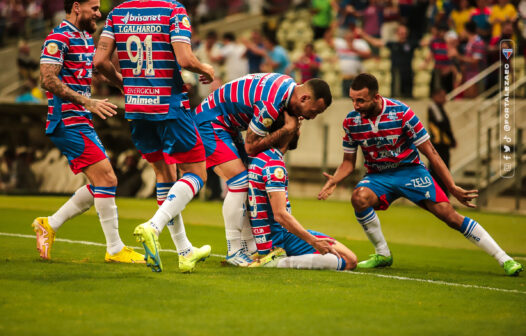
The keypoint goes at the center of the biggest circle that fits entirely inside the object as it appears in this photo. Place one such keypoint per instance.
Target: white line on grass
(396, 277)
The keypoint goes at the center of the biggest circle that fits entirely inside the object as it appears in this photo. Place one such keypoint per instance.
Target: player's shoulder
(393, 105)
(351, 118)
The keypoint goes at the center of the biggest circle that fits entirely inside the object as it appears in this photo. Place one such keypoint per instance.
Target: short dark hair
(321, 89)
(365, 80)
(68, 5)
(229, 36)
(471, 27)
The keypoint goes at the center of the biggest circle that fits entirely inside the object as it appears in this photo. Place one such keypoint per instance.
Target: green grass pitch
(439, 284)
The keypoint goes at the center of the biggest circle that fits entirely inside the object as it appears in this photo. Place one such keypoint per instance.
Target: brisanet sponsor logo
(140, 18)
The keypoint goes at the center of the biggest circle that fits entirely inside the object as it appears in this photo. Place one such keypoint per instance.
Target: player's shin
(371, 226)
(79, 202)
(108, 216)
(476, 234)
(178, 197)
(175, 225)
(313, 261)
(234, 210)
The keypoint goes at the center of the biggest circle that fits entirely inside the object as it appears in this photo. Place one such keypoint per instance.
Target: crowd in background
(463, 38)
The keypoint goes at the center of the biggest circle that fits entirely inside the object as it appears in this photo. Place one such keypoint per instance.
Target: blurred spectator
(255, 53)
(351, 51)
(54, 12)
(277, 58)
(522, 11)
(308, 64)
(440, 131)
(321, 17)
(209, 52)
(233, 57)
(372, 21)
(347, 15)
(16, 19)
(474, 58)
(443, 70)
(402, 52)
(4, 12)
(35, 19)
(26, 65)
(15, 171)
(480, 15)
(501, 13)
(391, 16)
(31, 94)
(461, 15)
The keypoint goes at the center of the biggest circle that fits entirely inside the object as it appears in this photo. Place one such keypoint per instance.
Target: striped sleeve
(275, 176)
(55, 47)
(108, 27)
(180, 27)
(264, 116)
(349, 145)
(413, 128)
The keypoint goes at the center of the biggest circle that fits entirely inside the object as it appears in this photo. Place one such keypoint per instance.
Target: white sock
(79, 202)
(180, 194)
(476, 234)
(175, 225)
(109, 217)
(178, 233)
(311, 261)
(234, 210)
(371, 226)
(248, 243)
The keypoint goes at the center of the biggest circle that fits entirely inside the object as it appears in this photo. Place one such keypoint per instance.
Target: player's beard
(87, 24)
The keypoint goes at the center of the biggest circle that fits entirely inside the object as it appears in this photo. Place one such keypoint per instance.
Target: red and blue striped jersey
(389, 141)
(73, 49)
(254, 101)
(143, 32)
(438, 48)
(266, 174)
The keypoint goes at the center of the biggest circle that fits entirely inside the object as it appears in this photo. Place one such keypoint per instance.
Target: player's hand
(102, 108)
(328, 188)
(208, 77)
(465, 196)
(292, 123)
(324, 246)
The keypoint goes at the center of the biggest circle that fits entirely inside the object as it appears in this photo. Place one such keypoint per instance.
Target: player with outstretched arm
(390, 136)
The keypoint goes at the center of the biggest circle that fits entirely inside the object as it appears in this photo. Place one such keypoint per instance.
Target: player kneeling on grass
(281, 240)
(390, 136)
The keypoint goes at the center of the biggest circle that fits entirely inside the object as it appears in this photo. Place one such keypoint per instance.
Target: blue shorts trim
(296, 246)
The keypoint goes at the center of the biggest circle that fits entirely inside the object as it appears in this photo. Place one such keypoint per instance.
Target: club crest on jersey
(267, 122)
(52, 48)
(279, 173)
(186, 22)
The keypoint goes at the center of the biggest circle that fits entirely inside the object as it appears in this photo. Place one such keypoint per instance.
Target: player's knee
(350, 261)
(360, 200)
(110, 179)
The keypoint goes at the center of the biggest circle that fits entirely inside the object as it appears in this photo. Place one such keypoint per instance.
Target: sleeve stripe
(49, 61)
(181, 39)
(257, 130)
(423, 139)
(274, 189)
(108, 34)
(349, 150)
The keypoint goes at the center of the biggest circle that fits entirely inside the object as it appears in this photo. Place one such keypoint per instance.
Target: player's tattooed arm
(50, 81)
(255, 144)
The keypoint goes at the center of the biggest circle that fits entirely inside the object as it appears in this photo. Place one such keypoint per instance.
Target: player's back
(235, 103)
(266, 173)
(143, 32)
